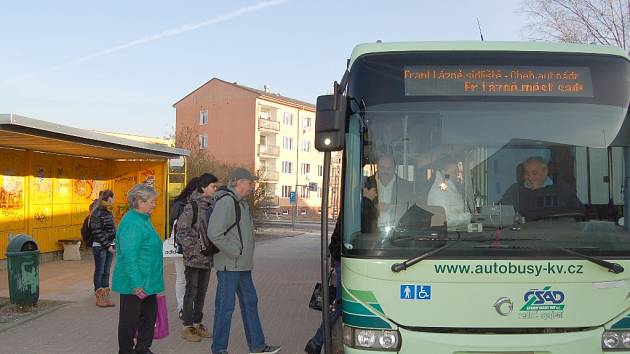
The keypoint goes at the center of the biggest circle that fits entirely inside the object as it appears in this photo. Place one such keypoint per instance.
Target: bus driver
(539, 197)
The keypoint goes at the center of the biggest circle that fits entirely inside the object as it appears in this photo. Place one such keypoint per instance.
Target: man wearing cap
(234, 264)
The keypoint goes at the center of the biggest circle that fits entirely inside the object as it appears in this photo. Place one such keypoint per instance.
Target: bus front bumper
(584, 342)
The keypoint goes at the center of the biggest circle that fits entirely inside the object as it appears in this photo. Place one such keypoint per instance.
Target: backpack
(177, 208)
(86, 231)
(207, 247)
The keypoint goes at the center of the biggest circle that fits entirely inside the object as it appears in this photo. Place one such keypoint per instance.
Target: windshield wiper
(397, 267)
(429, 238)
(612, 267)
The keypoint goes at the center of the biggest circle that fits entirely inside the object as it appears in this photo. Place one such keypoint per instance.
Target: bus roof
(371, 48)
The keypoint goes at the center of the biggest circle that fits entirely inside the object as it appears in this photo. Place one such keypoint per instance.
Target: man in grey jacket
(234, 263)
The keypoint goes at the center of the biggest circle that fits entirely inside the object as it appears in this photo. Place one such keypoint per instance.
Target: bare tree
(260, 199)
(201, 160)
(580, 21)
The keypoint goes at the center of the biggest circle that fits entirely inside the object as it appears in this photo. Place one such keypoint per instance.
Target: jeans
(102, 264)
(197, 280)
(136, 315)
(334, 313)
(180, 281)
(228, 285)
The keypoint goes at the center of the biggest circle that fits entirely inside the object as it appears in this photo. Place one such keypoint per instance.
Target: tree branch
(584, 21)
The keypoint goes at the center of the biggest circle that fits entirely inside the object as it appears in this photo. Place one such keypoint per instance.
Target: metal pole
(626, 188)
(324, 254)
(405, 141)
(297, 166)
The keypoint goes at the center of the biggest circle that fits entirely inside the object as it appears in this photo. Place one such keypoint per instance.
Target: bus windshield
(467, 149)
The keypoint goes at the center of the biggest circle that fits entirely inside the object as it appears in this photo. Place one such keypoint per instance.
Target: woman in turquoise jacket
(138, 275)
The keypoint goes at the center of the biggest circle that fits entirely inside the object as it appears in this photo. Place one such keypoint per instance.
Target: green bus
(483, 197)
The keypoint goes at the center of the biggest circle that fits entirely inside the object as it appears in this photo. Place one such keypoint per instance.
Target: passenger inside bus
(393, 195)
(447, 192)
(369, 212)
(538, 197)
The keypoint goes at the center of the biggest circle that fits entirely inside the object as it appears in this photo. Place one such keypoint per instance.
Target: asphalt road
(286, 270)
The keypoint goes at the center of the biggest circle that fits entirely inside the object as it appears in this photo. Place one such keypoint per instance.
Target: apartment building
(264, 131)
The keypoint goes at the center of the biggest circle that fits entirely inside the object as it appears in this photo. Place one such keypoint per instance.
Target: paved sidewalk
(286, 269)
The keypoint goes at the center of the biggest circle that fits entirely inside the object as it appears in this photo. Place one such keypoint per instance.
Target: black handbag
(316, 298)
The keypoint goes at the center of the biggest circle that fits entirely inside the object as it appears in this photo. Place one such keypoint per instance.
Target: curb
(31, 317)
(263, 237)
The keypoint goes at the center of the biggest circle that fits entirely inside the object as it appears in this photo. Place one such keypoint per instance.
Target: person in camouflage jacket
(197, 262)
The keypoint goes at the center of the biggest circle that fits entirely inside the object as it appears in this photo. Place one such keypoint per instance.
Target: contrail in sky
(155, 37)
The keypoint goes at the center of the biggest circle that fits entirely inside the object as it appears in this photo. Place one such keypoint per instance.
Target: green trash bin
(23, 269)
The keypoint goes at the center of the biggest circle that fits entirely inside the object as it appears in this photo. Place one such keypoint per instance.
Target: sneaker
(269, 349)
(202, 331)
(312, 348)
(190, 334)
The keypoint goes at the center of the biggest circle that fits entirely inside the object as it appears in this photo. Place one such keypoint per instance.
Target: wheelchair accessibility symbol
(415, 292)
(424, 292)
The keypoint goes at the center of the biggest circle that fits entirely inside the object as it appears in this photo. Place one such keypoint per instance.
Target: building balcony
(268, 150)
(267, 176)
(271, 125)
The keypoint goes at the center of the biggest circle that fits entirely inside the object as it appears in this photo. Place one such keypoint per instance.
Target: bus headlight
(371, 338)
(366, 338)
(612, 340)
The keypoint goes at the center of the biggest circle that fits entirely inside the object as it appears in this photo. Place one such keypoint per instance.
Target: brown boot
(202, 331)
(189, 334)
(107, 299)
(100, 292)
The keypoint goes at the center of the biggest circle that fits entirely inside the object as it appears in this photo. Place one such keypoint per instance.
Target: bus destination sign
(502, 80)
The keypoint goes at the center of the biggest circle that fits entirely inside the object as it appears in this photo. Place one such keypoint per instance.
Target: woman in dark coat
(103, 231)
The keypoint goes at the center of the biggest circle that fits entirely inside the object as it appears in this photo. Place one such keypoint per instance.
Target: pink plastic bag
(161, 321)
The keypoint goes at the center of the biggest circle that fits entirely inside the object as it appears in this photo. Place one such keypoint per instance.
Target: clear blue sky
(120, 65)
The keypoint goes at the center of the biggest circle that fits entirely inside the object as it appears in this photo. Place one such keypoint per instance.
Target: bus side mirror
(330, 123)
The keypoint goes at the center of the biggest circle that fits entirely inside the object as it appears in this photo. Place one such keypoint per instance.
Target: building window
(288, 118)
(287, 166)
(320, 170)
(203, 141)
(304, 192)
(287, 143)
(286, 190)
(306, 122)
(305, 168)
(306, 145)
(203, 117)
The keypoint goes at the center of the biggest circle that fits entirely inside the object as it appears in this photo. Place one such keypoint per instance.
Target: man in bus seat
(394, 195)
(538, 196)
(369, 211)
(447, 192)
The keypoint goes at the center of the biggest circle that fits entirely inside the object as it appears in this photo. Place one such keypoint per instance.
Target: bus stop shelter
(50, 174)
